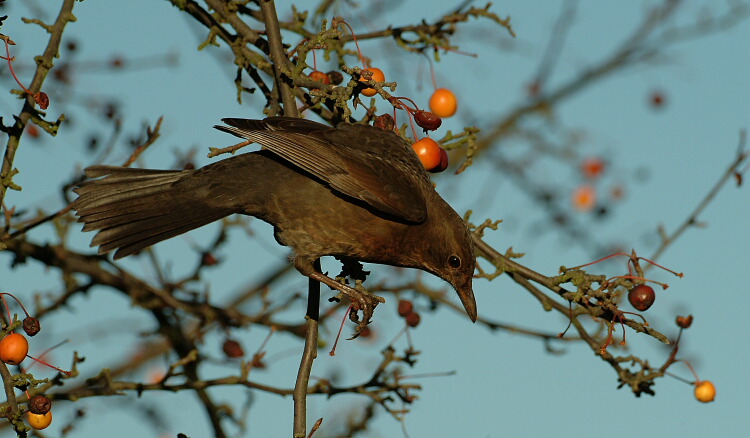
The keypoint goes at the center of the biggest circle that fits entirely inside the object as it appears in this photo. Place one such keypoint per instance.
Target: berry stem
(690, 367)
(397, 102)
(411, 123)
(570, 320)
(354, 37)
(600, 260)
(338, 335)
(17, 300)
(41, 360)
(432, 71)
(681, 379)
(635, 277)
(10, 67)
(7, 308)
(677, 274)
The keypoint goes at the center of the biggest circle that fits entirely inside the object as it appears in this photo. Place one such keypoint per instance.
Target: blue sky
(505, 384)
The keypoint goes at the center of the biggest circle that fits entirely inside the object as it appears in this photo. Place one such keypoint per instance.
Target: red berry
(31, 325)
(40, 404)
(684, 321)
(427, 120)
(642, 297)
(32, 130)
(366, 333)
(335, 77)
(443, 162)
(385, 121)
(412, 319)
(208, 259)
(42, 100)
(657, 99)
(232, 348)
(405, 307)
(592, 168)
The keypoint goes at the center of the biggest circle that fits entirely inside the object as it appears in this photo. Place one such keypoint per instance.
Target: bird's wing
(366, 163)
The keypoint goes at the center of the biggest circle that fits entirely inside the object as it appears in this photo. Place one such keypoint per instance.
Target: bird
(355, 192)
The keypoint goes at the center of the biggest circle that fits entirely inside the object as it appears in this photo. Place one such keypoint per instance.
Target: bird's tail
(135, 208)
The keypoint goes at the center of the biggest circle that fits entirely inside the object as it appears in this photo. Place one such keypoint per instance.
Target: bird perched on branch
(355, 192)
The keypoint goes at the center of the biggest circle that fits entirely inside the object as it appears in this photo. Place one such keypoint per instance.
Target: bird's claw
(360, 299)
(364, 301)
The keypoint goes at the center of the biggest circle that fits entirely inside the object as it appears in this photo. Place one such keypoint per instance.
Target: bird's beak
(466, 295)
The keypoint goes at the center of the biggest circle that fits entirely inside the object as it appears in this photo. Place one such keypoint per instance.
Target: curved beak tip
(472, 314)
(470, 304)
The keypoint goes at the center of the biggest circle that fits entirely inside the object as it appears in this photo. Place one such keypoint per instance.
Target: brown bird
(355, 192)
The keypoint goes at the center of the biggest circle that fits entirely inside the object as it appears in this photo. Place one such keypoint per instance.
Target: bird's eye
(454, 262)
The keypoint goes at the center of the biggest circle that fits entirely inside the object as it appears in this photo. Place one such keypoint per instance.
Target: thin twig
(44, 65)
(309, 354)
(692, 219)
(278, 57)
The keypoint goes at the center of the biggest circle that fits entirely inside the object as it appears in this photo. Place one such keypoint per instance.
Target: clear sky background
(504, 384)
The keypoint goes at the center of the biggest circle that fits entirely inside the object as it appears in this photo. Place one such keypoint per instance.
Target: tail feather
(131, 238)
(90, 215)
(122, 212)
(103, 193)
(135, 208)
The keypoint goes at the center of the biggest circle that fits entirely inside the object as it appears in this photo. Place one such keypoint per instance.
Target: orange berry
(705, 391)
(39, 421)
(443, 102)
(428, 152)
(319, 76)
(377, 76)
(584, 197)
(32, 130)
(13, 348)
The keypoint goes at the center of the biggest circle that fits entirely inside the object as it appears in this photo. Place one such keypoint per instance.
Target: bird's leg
(363, 301)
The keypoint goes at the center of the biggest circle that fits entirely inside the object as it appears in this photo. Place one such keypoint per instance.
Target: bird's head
(448, 252)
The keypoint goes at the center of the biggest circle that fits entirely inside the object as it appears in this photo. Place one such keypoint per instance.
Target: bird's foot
(365, 301)
(361, 300)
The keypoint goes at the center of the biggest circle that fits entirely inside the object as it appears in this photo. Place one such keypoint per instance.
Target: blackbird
(355, 192)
